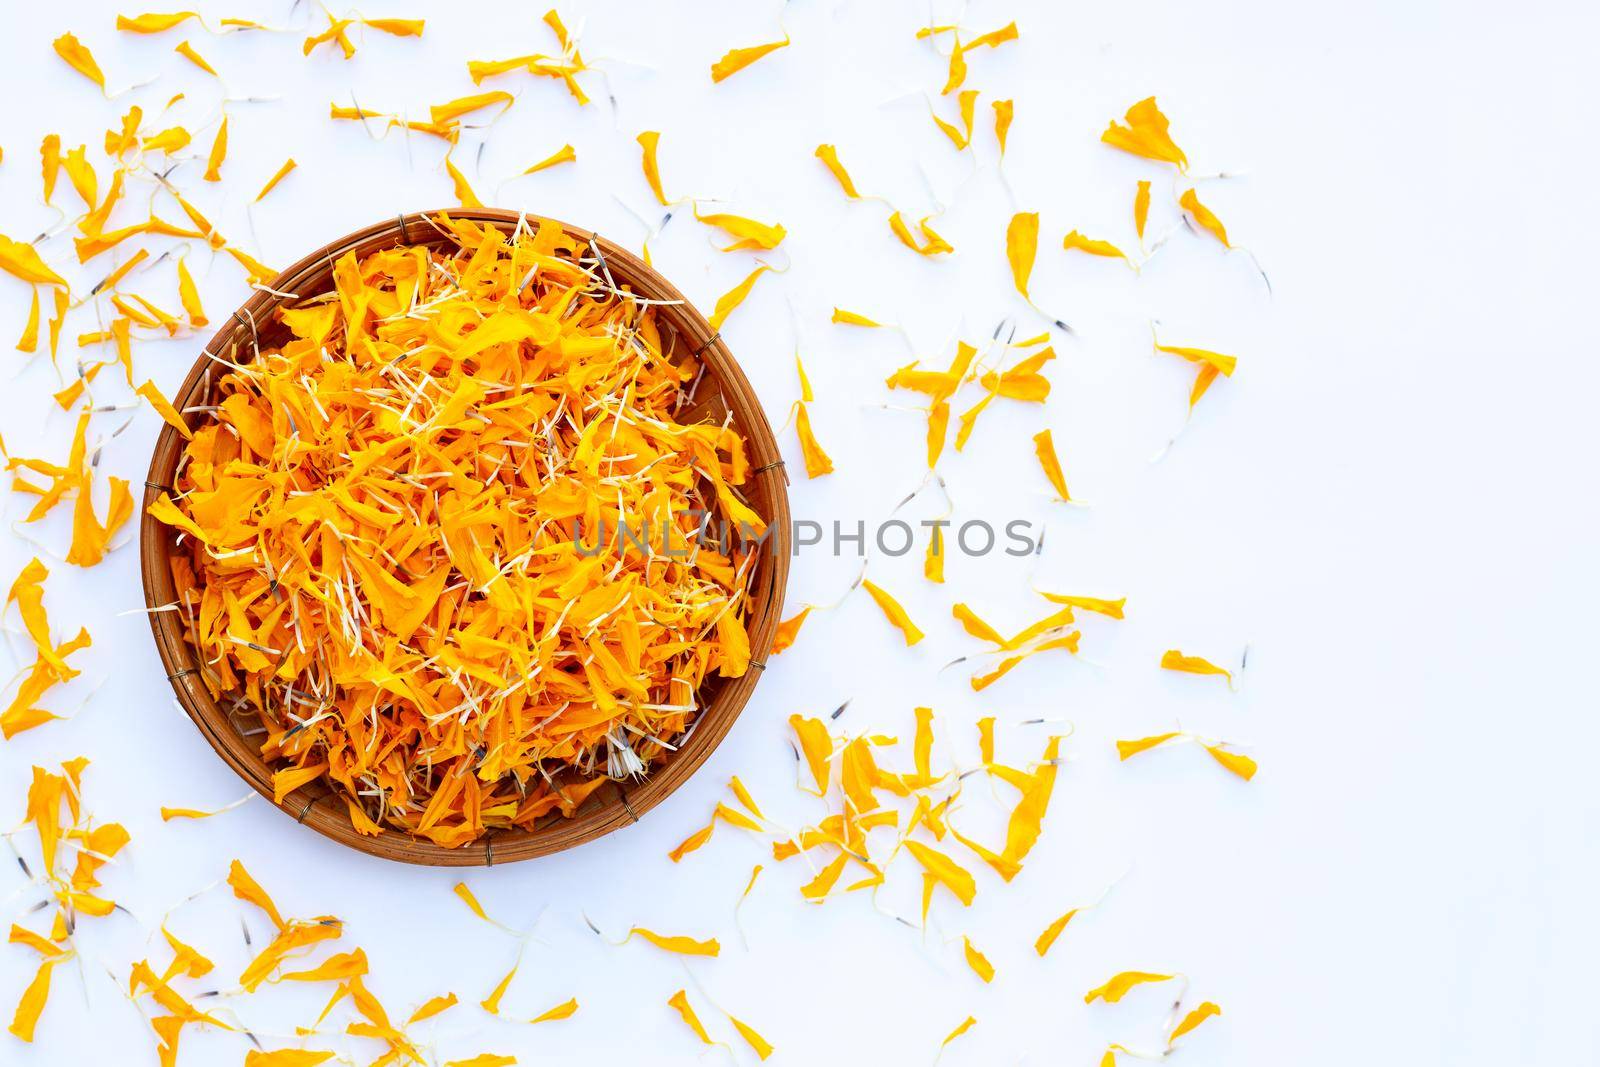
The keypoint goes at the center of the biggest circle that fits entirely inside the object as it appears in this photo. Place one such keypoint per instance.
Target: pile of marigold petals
(861, 778)
(390, 535)
(870, 797)
(90, 846)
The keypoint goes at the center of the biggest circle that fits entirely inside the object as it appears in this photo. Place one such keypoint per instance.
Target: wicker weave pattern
(722, 390)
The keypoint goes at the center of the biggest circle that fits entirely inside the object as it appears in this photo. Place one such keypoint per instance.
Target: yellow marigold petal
(894, 612)
(830, 159)
(1023, 381)
(952, 131)
(565, 1010)
(1053, 931)
(1146, 135)
(1203, 217)
(960, 136)
(1193, 1019)
(396, 27)
(1045, 449)
(945, 870)
(819, 887)
(23, 262)
(649, 140)
(286, 780)
(277, 176)
(79, 58)
(966, 1024)
(90, 537)
(248, 889)
(994, 38)
(288, 1057)
(433, 1006)
(739, 58)
(976, 626)
(32, 1003)
(735, 817)
(27, 590)
(1202, 382)
(902, 231)
(957, 74)
(491, 1003)
(189, 297)
(471, 901)
(1075, 241)
(187, 51)
(930, 245)
(758, 1044)
(817, 747)
(933, 558)
(50, 163)
(969, 420)
(565, 154)
(755, 872)
(806, 394)
(967, 103)
(168, 814)
(842, 317)
(82, 176)
(1241, 765)
(19, 718)
(340, 967)
(743, 794)
(692, 842)
(938, 430)
(185, 959)
(1174, 660)
(683, 946)
(257, 272)
(1027, 818)
(154, 23)
(1211, 365)
(23, 936)
(1118, 985)
(164, 408)
(730, 300)
(817, 461)
(465, 105)
(1109, 608)
(788, 630)
(1022, 243)
(29, 341)
(294, 936)
(1141, 207)
(1127, 749)
(976, 960)
(679, 1002)
(1004, 111)
(463, 190)
(552, 18)
(748, 234)
(337, 32)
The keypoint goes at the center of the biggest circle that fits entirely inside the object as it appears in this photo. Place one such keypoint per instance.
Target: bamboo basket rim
(611, 806)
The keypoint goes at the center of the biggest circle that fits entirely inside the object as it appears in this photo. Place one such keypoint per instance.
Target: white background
(1391, 504)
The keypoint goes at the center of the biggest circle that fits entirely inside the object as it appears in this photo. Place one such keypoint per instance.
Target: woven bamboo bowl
(721, 391)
